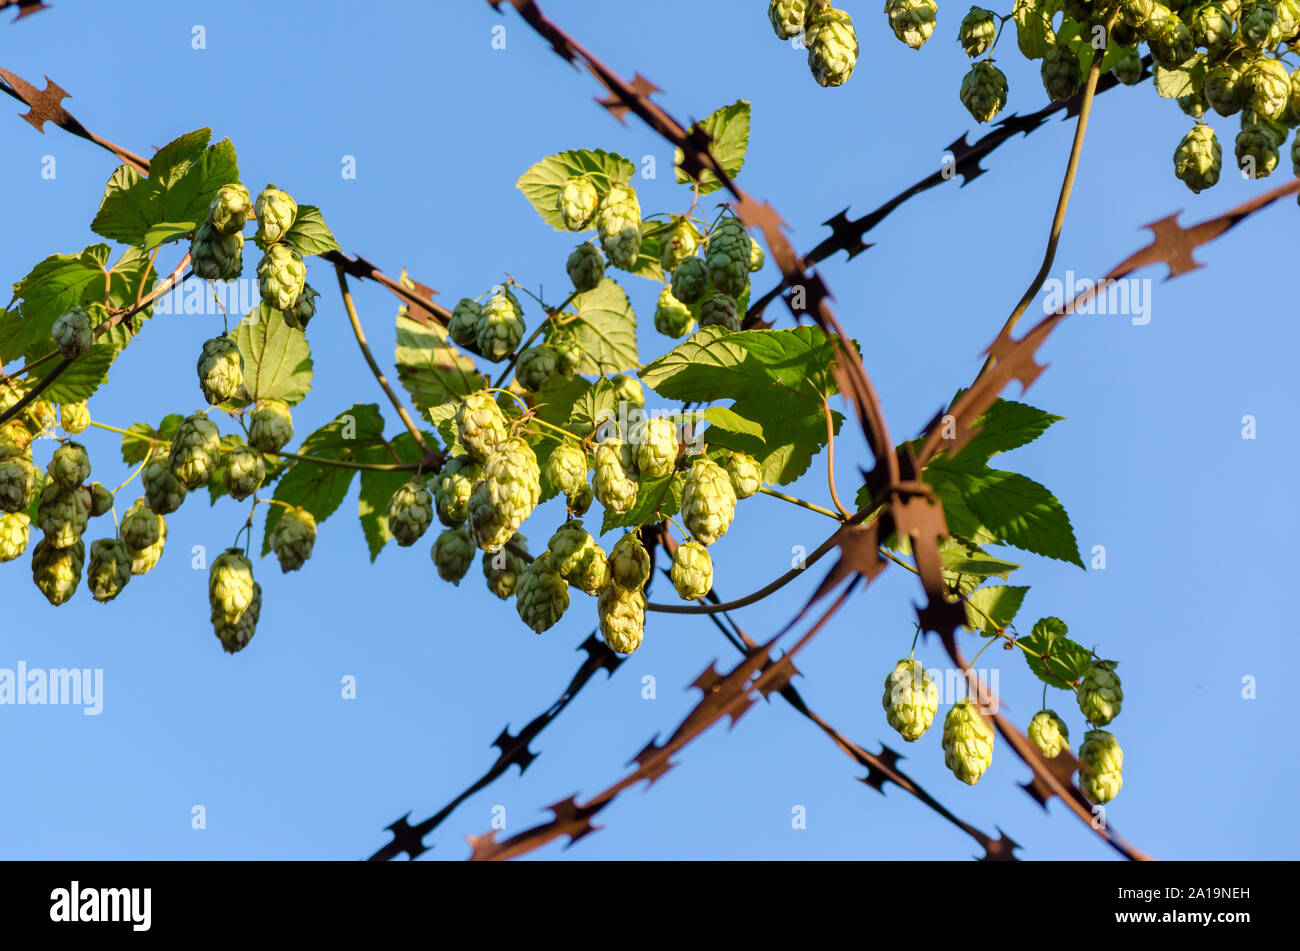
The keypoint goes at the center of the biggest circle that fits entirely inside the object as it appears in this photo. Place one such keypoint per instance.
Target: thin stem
(793, 500)
(132, 475)
(830, 457)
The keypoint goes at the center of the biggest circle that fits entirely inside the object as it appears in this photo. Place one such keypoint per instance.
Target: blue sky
(1151, 462)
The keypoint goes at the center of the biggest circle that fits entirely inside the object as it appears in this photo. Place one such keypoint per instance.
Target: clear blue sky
(1150, 463)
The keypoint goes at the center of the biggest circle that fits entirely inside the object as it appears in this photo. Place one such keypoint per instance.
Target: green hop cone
(510, 490)
(499, 329)
(1257, 153)
(452, 489)
(579, 500)
(229, 208)
(1155, 20)
(62, 514)
(1295, 168)
(215, 256)
(1060, 73)
(672, 317)
(41, 413)
(502, 568)
(756, 256)
(678, 244)
(70, 465)
(721, 310)
(195, 452)
(463, 325)
(270, 426)
(453, 554)
(1211, 28)
(293, 538)
(629, 562)
(627, 389)
(727, 257)
(75, 418)
(536, 367)
(245, 471)
(984, 91)
(410, 512)
(1080, 11)
(1049, 733)
(832, 46)
(1135, 12)
(692, 571)
(234, 636)
(140, 528)
(230, 585)
(1198, 158)
(912, 20)
(480, 425)
(221, 370)
(578, 559)
(281, 276)
(18, 483)
(143, 560)
(576, 202)
(15, 530)
(566, 469)
(1128, 69)
(708, 501)
(618, 224)
(1100, 694)
(72, 334)
(1224, 89)
(789, 16)
(1258, 24)
(655, 442)
(745, 475)
(542, 596)
(622, 618)
(303, 310)
(690, 280)
(162, 490)
(101, 500)
(1269, 88)
(15, 437)
(613, 484)
(1192, 104)
(911, 699)
(1172, 44)
(977, 31)
(967, 742)
(57, 571)
(276, 212)
(1101, 766)
(109, 569)
(586, 267)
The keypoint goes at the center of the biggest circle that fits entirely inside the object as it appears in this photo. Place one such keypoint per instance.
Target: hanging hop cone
(912, 20)
(453, 554)
(162, 490)
(613, 484)
(566, 469)
(140, 527)
(1198, 158)
(1224, 89)
(1135, 12)
(832, 47)
(585, 267)
(1257, 153)
(579, 500)
(984, 91)
(480, 425)
(1060, 73)
(576, 202)
(708, 501)
(303, 309)
(410, 512)
(1269, 86)
(977, 31)
(1171, 45)
(221, 370)
(1211, 28)
(568, 351)
(672, 317)
(235, 636)
(230, 586)
(756, 256)
(622, 618)
(270, 426)
(75, 418)
(499, 329)
(1101, 766)
(70, 465)
(62, 514)
(1128, 69)
(690, 280)
(109, 570)
(281, 276)
(245, 471)
(276, 212)
(692, 571)
(678, 244)
(195, 452)
(911, 699)
(293, 538)
(229, 208)
(967, 742)
(502, 568)
(452, 489)
(720, 310)
(18, 482)
(629, 562)
(789, 16)
(1258, 24)
(463, 325)
(1100, 694)
(15, 531)
(143, 560)
(101, 500)
(744, 473)
(536, 367)
(72, 333)
(542, 596)
(627, 389)
(215, 256)
(727, 257)
(1049, 733)
(618, 224)
(577, 557)
(57, 571)
(511, 487)
(655, 442)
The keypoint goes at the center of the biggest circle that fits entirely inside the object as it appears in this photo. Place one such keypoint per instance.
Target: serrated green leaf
(378, 487)
(1060, 662)
(1003, 426)
(990, 609)
(58, 283)
(541, 184)
(721, 417)
(556, 402)
(728, 128)
(166, 232)
(596, 404)
(1183, 80)
(130, 279)
(776, 378)
(429, 365)
(277, 360)
(85, 375)
(139, 437)
(444, 422)
(309, 234)
(1034, 32)
(605, 328)
(656, 499)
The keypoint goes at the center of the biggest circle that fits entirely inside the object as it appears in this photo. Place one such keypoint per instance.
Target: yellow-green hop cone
(1049, 733)
(832, 47)
(245, 471)
(453, 554)
(1257, 153)
(463, 325)
(720, 310)
(281, 276)
(195, 452)
(912, 20)
(536, 367)
(452, 489)
(1258, 25)
(567, 349)
(72, 334)
(143, 559)
(692, 571)
(1171, 45)
(967, 742)
(1269, 87)
(75, 417)
(215, 256)
(1128, 69)
(1060, 73)
(622, 618)
(234, 636)
(756, 256)
(585, 267)
(579, 500)
(977, 31)
(502, 568)
(1295, 161)
(229, 208)
(727, 257)
(109, 569)
(1136, 12)
(577, 557)
(270, 425)
(221, 370)
(62, 514)
(410, 512)
(57, 571)
(566, 469)
(510, 490)
(542, 596)
(576, 202)
(1211, 28)
(708, 501)
(303, 309)
(18, 482)
(293, 538)
(629, 562)
(499, 329)
(140, 528)
(276, 212)
(15, 437)
(480, 425)
(230, 585)
(984, 91)
(655, 442)
(627, 389)
(678, 244)
(1101, 766)
(70, 465)
(744, 473)
(1198, 158)
(672, 317)
(15, 531)
(613, 485)
(41, 415)
(162, 490)
(101, 500)
(618, 223)
(911, 700)
(1100, 694)
(690, 280)
(1224, 89)
(789, 16)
